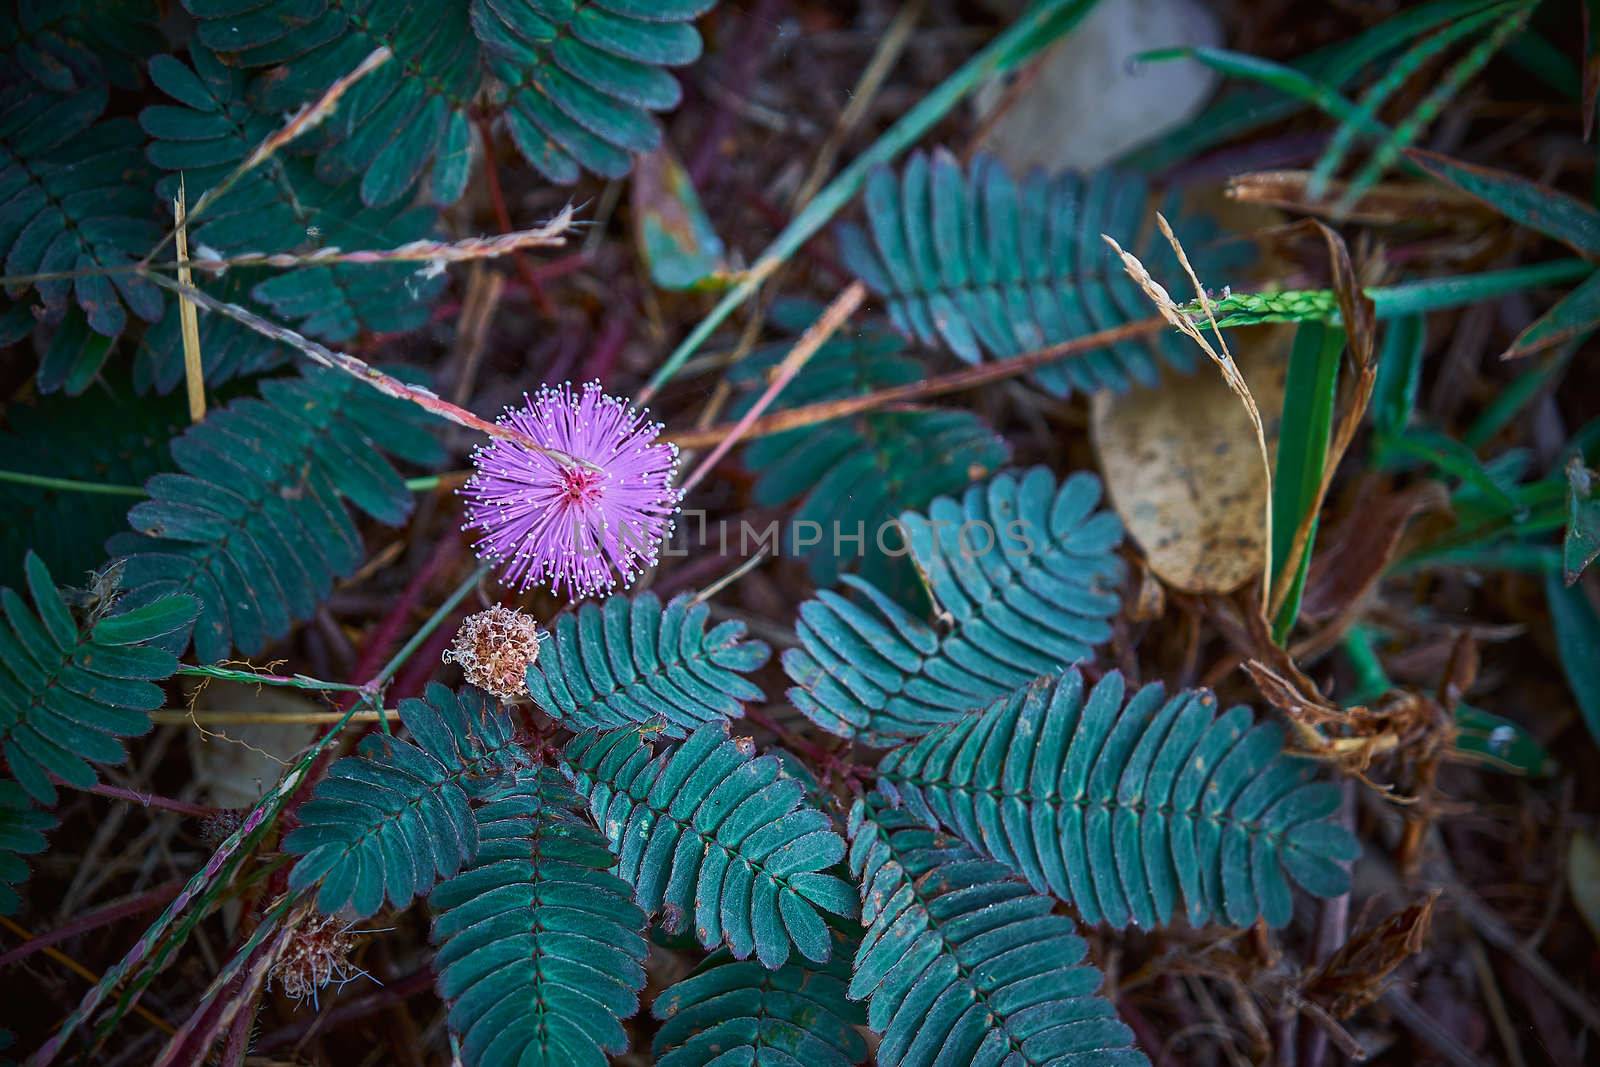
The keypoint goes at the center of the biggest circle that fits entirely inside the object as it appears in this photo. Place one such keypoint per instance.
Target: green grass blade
(1394, 394)
(1381, 90)
(1575, 315)
(1577, 628)
(1043, 24)
(1554, 214)
(1308, 401)
(1457, 76)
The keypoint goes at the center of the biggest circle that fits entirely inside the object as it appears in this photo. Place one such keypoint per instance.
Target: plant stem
(297, 681)
(966, 378)
(379, 680)
(1030, 34)
(70, 485)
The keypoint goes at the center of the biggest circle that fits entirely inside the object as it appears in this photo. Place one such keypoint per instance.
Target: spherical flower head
(316, 955)
(495, 648)
(575, 527)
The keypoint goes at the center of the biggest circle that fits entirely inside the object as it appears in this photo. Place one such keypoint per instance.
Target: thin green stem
(423, 484)
(70, 485)
(297, 681)
(381, 679)
(1030, 34)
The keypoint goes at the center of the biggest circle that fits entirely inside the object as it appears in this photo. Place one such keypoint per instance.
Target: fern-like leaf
(710, 832)
(583, 78)
(103, 436)
(1121, 806)
(1026, 571)
(69, 691)
(279, 206)
(854, 475)
(979, 263)
(390, 821)
(75, 46)
(254, 526)
(733, 1011)
(22, 828)
(74, 196)
(404, 120)
(579, 81)
(630, 663)
(541, 950)
(962, 963)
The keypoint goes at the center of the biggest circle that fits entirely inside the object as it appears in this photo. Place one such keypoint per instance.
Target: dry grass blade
(188, 315)
(321, 354)
(835, 316)
(306, 119)
(1223, 360)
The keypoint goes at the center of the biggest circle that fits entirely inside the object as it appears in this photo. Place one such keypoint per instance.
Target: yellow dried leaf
(1183, 470)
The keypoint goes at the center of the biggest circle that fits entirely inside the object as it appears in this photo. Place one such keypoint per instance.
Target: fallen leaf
(1352, 556)
(674, 235)
(1182, 470)
(1357, 974)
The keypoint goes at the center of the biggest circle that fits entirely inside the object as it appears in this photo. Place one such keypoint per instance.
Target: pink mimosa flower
(575, 527)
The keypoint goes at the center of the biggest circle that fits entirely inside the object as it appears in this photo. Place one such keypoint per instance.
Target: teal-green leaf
(629, 661)
(1026, 572)
(946, 253)
(397, 799)
(1126, 800)
(256, 528)
(961, 962)
(729, 1010)
(541, 950)
(710, 833)
(59, 708)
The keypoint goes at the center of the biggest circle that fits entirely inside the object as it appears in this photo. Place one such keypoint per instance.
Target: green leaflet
(69, 689)
(798, 1014)
(390, 821)
(1577, 629)
(541, 951)
(710, 833)
(74, 195)
(22, 828)
(582, 79)
(961, 963)
(579, 82)
(631, 662)
(1124, 806)
(255, 526)
(283, 205)
(855, 475)
(70, 46)
(981, 264)
(103, 436)
(1026, 572)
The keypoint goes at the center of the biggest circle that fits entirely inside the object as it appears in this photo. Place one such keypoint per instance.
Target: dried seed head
(495, 648)
(317, 955)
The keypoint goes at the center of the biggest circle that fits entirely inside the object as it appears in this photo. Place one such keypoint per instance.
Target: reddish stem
(94, 920)
(607, 347)
(502, 216)
(147, 800)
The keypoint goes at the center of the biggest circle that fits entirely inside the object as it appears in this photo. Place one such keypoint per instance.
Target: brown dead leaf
(1180, 464)
(1385, 204)
(1353, 555)
(1357, 974)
